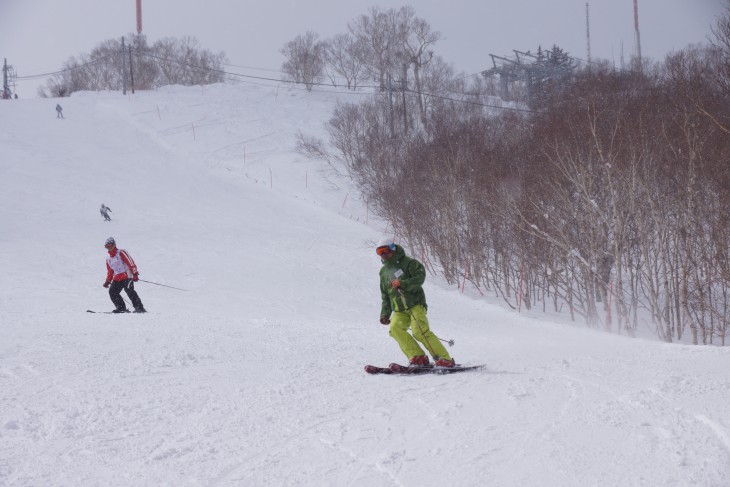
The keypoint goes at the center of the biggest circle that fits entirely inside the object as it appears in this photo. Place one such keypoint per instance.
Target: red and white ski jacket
(119, 265)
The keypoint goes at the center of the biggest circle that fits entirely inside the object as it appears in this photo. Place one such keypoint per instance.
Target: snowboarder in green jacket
(404, 306)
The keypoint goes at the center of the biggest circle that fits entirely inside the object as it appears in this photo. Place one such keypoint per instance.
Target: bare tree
(168, 61)
(344, 58)
(182, 61)
(376, 34)
(416, 39)
(721, 41)
(305, 59)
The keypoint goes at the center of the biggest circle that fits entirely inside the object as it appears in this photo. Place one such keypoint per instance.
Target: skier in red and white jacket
(121, 273)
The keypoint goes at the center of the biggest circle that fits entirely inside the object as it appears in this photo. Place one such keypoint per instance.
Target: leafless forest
(140, 65)
(607, 197)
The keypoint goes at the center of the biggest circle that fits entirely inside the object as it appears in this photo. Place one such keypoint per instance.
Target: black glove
(384, 320)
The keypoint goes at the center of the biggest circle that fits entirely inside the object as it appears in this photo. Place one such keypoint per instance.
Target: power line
(235, 76)
(72, 68)
(348, 92)
(250, 76)
(251, 67)
(486, 105)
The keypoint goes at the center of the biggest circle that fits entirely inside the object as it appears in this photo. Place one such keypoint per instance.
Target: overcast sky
(37, 36)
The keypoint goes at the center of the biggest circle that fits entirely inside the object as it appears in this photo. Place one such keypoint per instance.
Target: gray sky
(37, 36)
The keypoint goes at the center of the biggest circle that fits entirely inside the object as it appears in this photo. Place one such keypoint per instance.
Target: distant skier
(59, 111)
(121, 273)
(404, 305)
(105, 212)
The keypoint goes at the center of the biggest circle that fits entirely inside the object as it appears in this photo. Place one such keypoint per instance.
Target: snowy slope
(253, 376)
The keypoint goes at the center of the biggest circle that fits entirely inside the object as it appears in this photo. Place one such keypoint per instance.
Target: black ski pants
(115, 292)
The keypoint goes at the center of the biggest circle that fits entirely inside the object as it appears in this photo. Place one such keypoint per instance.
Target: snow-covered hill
(253, 376)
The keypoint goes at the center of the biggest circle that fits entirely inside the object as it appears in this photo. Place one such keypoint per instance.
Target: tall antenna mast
(636, 30)
(588, 35)
(139, 16)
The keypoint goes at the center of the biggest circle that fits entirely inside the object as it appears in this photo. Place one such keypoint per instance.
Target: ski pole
(163, 285)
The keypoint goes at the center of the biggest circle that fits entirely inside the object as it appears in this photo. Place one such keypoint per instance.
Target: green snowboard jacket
(412, 275)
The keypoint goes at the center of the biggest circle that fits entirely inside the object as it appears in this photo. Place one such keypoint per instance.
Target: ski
(431, 369)
(105, 312)
(372, 369)
(398, 369)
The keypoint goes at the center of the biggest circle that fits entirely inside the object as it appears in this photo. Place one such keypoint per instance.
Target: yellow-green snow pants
(416, 320)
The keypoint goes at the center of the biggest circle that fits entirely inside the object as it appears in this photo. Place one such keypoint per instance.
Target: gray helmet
(110, 240)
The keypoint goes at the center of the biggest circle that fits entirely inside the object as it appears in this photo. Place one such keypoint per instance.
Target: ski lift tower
(526, 70)
(508, 70)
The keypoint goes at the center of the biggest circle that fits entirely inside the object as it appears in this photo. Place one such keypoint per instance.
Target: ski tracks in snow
(638, 424)
(720, 432)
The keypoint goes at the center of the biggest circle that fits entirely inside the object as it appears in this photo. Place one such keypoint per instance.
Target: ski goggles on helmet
(384, 250)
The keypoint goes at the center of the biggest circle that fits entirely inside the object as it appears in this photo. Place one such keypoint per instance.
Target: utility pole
(131, 69)
(124, 70)
(6, 88)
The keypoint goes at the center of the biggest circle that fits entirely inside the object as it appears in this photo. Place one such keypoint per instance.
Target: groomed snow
(253, 376)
